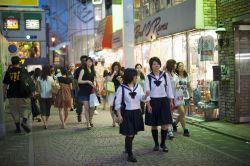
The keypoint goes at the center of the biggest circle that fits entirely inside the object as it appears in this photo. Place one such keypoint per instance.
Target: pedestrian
(45, 85)
(104, 91)
(158, 113)
(63, 98)
(34, 100)
(19, 96)
(183, 83)
(116, 78)
(141, 81)
(86, 83)
(79, 106)
(170, 71)
(129, 95)
(74, 85)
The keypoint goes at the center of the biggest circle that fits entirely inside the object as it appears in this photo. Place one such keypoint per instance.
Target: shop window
(27, 49)
(180, 49)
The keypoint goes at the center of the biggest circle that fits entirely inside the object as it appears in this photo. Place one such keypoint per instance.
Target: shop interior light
(53, 39)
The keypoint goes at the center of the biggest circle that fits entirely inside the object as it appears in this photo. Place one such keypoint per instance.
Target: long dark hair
(92, 67)
(37, 73)
(129, 75)
(45, 72)
(142, 77)
(185, 74)
(64, 71)
(170, 65)
(113, 67)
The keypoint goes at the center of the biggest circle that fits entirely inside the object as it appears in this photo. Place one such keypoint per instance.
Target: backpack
(27, 86)
(165, 78)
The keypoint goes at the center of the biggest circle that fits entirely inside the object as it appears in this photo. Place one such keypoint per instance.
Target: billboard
(19, 2)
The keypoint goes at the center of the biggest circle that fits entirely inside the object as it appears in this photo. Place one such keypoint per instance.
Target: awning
(32, 16)
(104, 34)
(6, 15)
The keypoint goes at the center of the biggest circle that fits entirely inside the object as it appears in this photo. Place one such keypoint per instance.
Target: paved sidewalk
(238, 131)
(104, 146)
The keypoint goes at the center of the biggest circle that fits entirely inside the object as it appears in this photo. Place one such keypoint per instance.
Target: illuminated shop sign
(11, 23)
(25, 49)
(32, 24)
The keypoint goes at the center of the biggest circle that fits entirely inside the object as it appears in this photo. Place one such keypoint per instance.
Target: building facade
(234, 16)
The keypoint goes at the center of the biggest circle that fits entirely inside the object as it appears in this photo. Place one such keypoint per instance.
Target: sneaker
(131, 159)
(96, 112)
(156, 148)
(79, 118)
(164, 148)
(25, 127)
(170, 134)
(186, 133)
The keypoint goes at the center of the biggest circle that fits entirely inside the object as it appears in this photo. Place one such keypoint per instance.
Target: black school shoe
(164, 148)
(79, 118)
(186, 133)
(131, 159)
(156, 148)
(25, 127)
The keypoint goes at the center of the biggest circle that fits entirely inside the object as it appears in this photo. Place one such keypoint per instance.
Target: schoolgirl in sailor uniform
(127, 103)
(158, 113)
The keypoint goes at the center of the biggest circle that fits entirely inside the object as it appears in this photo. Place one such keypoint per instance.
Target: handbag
(110, 87)
(93, 100)
(55, 87)
(179, 99)
(34, 108)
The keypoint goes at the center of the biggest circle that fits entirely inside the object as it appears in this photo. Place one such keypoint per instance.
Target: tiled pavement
(104, 146)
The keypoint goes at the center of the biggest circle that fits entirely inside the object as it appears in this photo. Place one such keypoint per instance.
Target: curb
(198, 124)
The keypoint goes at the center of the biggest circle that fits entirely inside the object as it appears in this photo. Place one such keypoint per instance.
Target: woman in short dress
(183, 82)
(116, 78)
(130, 94)
(64, 97)
(158, 113)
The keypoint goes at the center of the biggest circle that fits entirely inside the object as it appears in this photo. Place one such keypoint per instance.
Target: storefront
(187, 39)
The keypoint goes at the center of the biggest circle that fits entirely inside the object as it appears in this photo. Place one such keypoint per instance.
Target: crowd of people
(130, 94)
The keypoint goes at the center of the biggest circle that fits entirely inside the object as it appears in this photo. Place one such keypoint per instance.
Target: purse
(110, 87)
(55, 87)
(93, 100)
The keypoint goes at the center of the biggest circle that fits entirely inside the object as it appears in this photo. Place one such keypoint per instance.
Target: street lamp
(53, 39)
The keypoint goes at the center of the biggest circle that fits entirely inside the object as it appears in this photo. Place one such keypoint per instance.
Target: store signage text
(151, 27)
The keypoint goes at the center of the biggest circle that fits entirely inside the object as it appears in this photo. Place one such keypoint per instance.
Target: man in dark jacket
(19, 102)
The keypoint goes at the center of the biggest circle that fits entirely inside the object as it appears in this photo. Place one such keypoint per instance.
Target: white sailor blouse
(160, 85)
(132, 97)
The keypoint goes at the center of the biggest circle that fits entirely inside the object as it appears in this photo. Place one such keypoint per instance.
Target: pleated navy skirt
(132, 122)
(161, 114)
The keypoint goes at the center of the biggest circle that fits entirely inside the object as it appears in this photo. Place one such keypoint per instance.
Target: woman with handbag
(113, 83)
(86, 84)
(64, 97)
(127, 103)
(45, 89)
(182, 84)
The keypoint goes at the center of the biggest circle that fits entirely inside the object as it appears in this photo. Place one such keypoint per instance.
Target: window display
(27, 49)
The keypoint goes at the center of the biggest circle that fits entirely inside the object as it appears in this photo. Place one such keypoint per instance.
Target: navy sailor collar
(154, 77)
(131, 93)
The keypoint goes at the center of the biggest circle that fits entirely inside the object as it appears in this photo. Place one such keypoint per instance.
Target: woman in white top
(170, 71)
(183, 83)
(127, 103)
(45, 82)
(161, 101)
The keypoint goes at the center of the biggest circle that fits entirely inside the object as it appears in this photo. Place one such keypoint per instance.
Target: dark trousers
(78, 106)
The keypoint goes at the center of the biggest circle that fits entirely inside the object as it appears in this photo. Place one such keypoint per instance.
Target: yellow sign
(19, 2)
